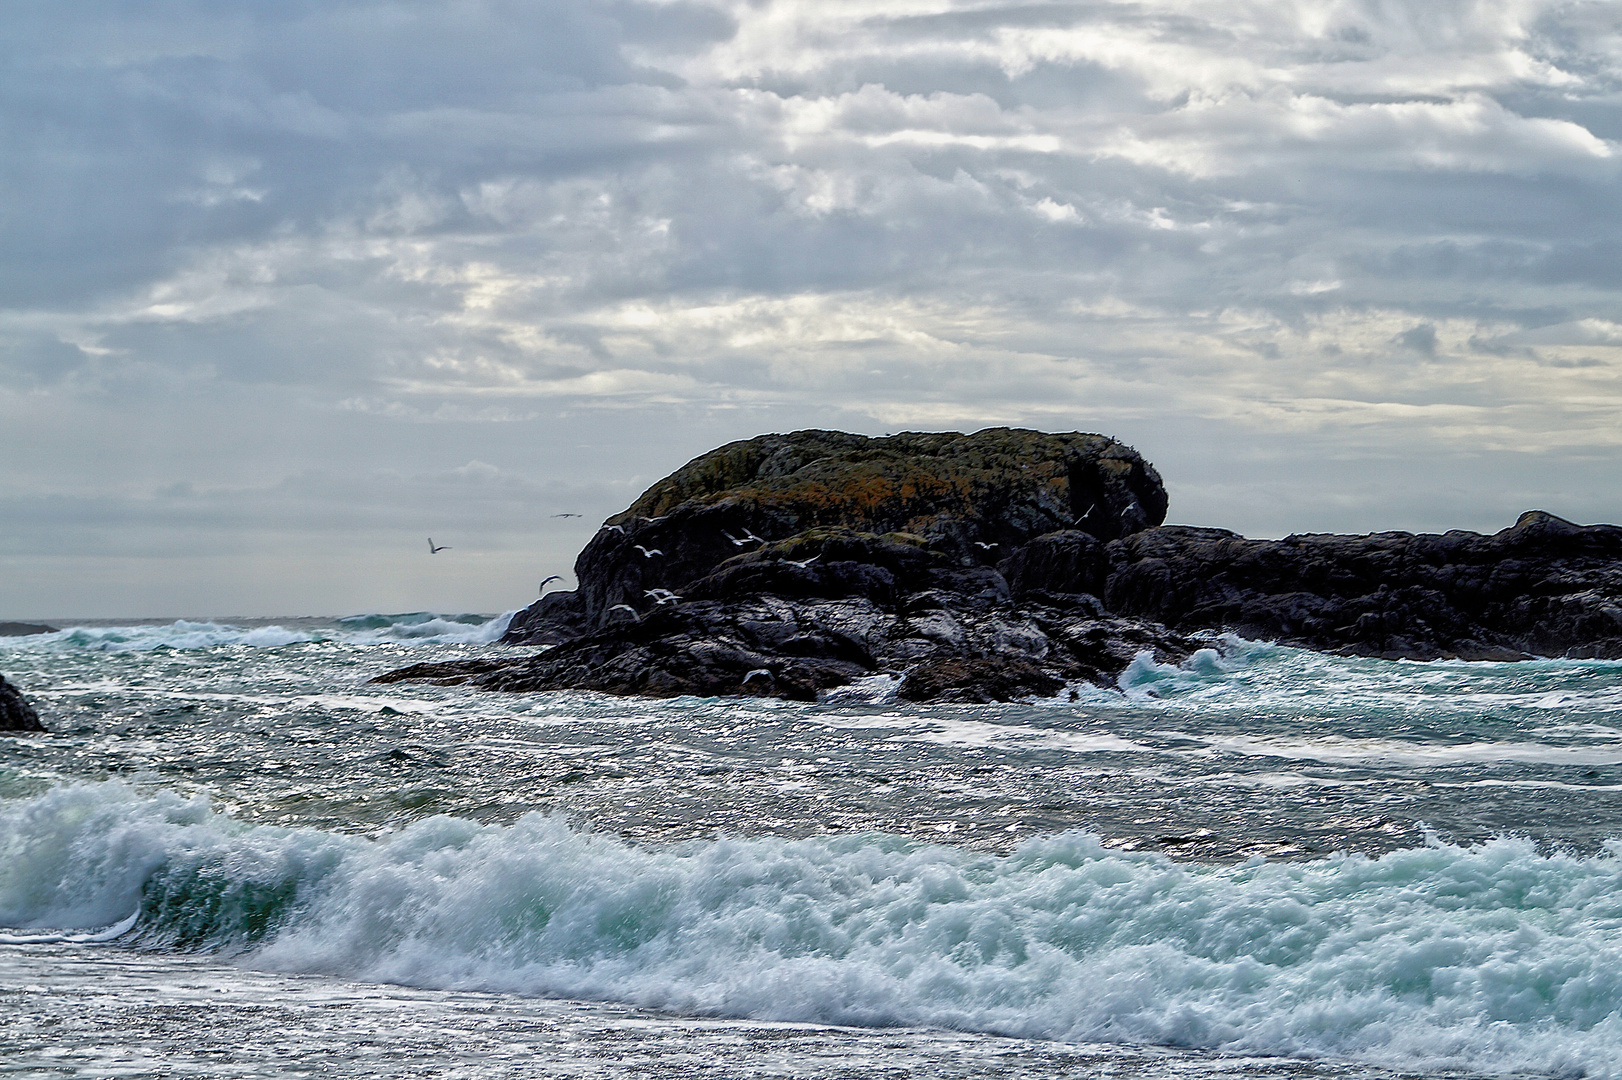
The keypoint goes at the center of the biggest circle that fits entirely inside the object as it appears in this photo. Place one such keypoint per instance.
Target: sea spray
(418, 628)
(1492, 956)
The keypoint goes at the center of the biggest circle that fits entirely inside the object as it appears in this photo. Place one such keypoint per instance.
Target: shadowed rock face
(1544, 587)
(1003, 565)
(968, 498)
(15, 712)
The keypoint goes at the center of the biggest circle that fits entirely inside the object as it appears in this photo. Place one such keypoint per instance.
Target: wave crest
(1489, 957)
(420, 627)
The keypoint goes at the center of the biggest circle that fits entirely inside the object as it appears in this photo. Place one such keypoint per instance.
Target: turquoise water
(1262, 861)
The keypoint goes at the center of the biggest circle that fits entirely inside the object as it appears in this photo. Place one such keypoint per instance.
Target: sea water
(235, 856)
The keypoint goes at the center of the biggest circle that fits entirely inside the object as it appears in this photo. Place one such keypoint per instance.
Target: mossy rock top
(968, 499)
(1028, 481)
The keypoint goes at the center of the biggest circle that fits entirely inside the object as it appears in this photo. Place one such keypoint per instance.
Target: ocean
(235, 857)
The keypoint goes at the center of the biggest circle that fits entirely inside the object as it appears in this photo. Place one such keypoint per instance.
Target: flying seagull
(554, 577)
(647, 553)
(759, 672)
(613, 528)
(748, 538)
(983, 544)
(661, 596)
(566, 515)
(433, 550)
(627, 607)
(803, 563)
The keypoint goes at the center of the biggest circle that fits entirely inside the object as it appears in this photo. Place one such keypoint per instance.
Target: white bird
(747, 539)
(626, 607)
(1088, 514)
(803, 563)
(554, 577)
(983, 544)
(613, 528)
(647, 553)
(433, 550)
(759, 671)
(661, 596)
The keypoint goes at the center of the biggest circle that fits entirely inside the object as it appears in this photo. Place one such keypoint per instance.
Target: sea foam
(1492, 957)
(420, 627)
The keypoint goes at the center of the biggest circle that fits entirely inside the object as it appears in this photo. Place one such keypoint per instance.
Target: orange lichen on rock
(971, 498)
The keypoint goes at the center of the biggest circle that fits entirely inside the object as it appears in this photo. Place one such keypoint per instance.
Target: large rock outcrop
(15, 712)
(1007, 564)
(969, 498)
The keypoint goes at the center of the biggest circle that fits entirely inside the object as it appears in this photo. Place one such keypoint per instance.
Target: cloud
(348, 238)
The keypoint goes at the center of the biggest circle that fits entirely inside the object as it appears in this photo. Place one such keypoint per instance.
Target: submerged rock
(1003, 565)
(16, 714)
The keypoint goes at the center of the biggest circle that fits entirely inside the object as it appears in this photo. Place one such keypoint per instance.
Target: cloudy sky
(287, 288)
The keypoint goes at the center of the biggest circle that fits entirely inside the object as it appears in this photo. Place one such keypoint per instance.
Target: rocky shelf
(1002, 565)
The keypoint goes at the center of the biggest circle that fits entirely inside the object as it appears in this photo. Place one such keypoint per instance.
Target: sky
(285, 289)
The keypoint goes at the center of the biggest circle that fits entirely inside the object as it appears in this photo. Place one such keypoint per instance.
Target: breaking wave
(420, 627)
(1492, 957)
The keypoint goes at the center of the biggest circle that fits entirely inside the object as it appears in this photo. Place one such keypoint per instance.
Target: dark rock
(1544, 587)
(1006, 565)
(795, 647)
(977, 680)
(23, 629)
(551, 620)
(705, 649)
(16, 714)
(970, 499)
(1060, 562)
(448, 673)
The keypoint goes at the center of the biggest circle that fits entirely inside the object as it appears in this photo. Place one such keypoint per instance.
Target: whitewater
(234, 856)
